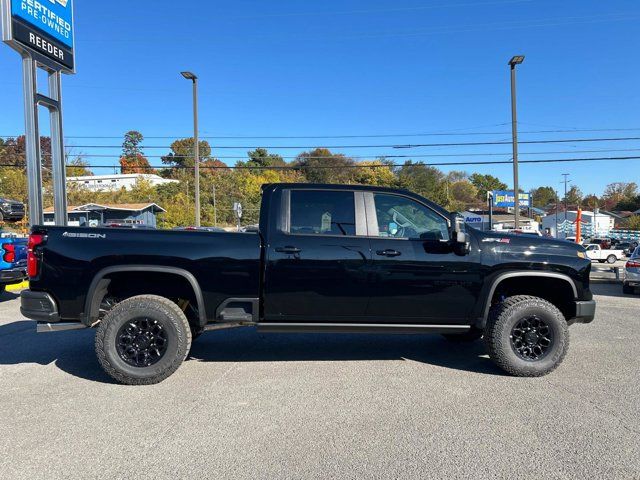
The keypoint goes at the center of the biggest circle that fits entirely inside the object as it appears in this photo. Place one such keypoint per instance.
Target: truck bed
(223, 264)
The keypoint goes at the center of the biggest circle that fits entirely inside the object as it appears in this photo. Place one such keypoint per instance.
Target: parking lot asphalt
(247, 405)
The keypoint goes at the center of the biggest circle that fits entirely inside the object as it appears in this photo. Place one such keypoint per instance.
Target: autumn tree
(375, 172)
(591, 201)
(424, 180)
(133, 159)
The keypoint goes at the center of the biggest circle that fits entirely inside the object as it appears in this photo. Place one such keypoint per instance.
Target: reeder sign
(44, 27)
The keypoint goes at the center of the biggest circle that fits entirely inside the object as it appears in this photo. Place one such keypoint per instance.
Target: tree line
(455, 190)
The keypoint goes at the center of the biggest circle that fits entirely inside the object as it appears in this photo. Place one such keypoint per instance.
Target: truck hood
(527, 247)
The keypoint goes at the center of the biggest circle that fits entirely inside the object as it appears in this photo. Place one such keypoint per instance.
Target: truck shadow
(248, 345)
(73, 352)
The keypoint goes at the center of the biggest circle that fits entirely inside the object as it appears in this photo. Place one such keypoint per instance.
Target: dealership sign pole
(42, 32)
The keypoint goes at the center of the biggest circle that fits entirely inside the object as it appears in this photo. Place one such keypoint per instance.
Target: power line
(381, 135)
(382, 165)
(394, 146)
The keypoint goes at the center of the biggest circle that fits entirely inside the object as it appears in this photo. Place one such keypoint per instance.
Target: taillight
(9, 252)
(32, 258)
(632, 264)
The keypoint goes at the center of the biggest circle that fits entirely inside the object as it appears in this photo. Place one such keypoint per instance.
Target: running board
(44, 327)
(360, 328)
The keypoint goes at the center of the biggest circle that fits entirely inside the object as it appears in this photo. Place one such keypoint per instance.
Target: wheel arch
(490, 291)
(100, 283)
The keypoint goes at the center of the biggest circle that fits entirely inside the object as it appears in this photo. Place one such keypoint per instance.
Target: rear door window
(315, 212)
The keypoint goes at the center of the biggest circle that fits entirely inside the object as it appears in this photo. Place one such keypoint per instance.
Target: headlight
(5, 205)
(582, 255)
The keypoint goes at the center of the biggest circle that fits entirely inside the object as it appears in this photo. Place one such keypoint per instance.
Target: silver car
(632, 273)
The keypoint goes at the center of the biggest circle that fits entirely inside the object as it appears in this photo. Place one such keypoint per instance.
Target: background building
(104, 183)
(594, 224)
(93, 215)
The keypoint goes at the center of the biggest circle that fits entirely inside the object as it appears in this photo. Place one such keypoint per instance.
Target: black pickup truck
(326, 258)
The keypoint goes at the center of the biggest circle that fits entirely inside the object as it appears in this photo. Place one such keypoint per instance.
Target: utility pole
(215, 207)
(566, 181)
(556, 191)
(196, 147)
(516, 60)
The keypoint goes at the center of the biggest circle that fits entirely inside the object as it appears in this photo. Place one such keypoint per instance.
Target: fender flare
(91, 306)
(506, 275)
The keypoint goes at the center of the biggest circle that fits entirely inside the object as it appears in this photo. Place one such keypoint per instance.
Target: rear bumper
(585, 311)
(39, 306)
(13, 275)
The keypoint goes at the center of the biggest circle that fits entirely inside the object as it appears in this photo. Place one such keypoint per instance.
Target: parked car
(632, 273)
(13, 260)
(11, 210)
(596, 252)
(327, 258)
(626, 247)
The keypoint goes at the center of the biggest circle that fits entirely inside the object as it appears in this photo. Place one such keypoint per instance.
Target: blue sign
(52, 17)
(505, 198)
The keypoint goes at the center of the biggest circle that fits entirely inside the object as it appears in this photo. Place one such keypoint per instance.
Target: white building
(594, 224)
(102, 183)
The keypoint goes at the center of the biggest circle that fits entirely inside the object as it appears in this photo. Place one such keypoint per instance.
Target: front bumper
(39, 306)
(585, 311)
(13, 275)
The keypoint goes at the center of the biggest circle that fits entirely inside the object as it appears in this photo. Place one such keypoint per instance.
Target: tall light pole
(196, 148)
(517, 60)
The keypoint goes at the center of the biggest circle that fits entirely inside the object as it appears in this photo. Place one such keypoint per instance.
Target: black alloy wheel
(141, 342)
(531, 338)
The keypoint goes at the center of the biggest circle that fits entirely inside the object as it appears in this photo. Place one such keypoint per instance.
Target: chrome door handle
(288, 249)
(388, 253)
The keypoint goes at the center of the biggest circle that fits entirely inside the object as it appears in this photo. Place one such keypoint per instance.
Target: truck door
(317, 258)
(417, 277)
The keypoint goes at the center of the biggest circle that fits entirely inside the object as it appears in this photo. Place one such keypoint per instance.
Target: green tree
(260, 157)
(543, 196)
(573, 197)
(323, 166)
(486, 183)
(377, 172)
(591, 201)
(182, 153)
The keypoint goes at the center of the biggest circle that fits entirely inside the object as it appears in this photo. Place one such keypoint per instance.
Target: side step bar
(44, 327)
(360, 328)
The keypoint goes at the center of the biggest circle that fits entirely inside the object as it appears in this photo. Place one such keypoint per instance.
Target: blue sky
(299, 68)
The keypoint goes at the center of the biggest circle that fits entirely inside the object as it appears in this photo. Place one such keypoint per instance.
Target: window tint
(400, 217)
(322, 213)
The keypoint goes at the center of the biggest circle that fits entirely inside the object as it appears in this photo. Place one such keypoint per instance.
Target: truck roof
(358, 188)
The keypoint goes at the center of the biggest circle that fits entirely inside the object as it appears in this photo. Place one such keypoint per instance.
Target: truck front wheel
(143, 340)
(526, 336)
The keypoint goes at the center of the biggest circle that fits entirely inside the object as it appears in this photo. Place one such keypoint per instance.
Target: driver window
(401, 217)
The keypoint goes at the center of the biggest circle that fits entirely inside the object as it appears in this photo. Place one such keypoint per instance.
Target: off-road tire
(466, 337)
(628, 289)
(498, 331)
(160, 309)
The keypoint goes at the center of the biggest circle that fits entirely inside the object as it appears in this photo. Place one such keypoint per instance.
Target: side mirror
(459, 237)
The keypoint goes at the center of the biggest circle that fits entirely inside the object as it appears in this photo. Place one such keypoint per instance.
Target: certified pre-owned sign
(45, 27)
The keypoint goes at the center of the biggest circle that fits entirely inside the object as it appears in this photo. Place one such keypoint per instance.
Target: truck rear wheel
(611, 259)
(526, 336)
(143, 340)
